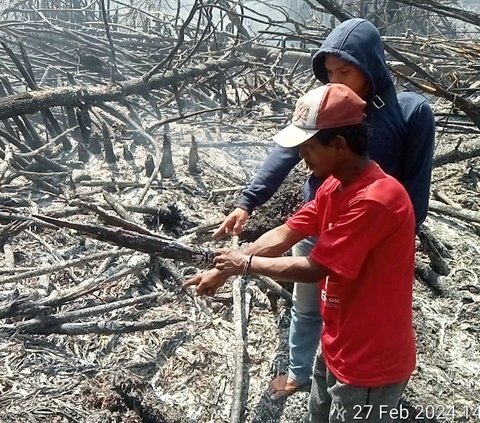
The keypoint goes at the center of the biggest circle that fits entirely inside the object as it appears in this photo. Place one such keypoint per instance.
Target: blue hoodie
(401, 127)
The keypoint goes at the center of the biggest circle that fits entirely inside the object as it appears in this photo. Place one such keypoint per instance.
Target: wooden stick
(105, 327)
(463, 214)
(428, 277)
(275, 287)
(240, 352)
(442, 196)
(60, 266)
(33, 325)
(29, 306)
(435, 250)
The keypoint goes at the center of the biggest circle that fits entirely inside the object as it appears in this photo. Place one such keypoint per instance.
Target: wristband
(247, 265)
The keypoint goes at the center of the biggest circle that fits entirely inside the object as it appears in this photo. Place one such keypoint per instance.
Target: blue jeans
(306, 322)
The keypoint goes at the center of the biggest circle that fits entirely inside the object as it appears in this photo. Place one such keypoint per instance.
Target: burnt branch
(32, 102)
(156, 245)
(104, 327)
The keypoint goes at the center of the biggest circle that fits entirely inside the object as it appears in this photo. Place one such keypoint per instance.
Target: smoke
(259, 15)
(278, 11)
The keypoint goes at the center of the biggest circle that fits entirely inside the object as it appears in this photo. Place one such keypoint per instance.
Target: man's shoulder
(389, 194)
(412, 103)
(329, 185)
(384, 186)
(381, 188)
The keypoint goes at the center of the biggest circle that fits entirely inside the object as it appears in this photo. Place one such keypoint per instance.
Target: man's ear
(339, 142)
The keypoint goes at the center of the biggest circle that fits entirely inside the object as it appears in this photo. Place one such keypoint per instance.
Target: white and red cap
(326, 107)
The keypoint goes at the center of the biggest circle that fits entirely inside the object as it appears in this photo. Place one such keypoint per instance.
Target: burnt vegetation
(127, 131)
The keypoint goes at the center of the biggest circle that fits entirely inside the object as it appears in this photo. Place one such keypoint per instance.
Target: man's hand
(230, 262)
(207, 283)
(233, 224)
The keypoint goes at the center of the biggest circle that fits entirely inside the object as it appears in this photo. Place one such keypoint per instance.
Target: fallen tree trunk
(162, 246)
(106, 327)
(41, 324)
(462, 214)
(32, 306)
(468, 152)
(34, 101)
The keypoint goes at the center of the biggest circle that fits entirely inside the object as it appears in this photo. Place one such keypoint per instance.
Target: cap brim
(292, 136)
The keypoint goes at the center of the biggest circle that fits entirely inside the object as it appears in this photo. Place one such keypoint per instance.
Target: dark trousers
(332, 401)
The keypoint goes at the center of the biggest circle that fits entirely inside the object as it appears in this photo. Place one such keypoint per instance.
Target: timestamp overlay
(458, 412)
(440, 413)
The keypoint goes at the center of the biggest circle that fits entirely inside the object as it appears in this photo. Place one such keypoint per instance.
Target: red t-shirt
(367, 241)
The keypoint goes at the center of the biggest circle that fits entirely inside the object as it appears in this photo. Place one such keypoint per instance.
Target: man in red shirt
(363, 260)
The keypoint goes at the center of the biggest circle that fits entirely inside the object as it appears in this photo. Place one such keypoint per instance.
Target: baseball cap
(326, 107)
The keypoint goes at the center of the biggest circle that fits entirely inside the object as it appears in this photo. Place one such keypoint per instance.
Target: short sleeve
(343, 248)
(305, 220)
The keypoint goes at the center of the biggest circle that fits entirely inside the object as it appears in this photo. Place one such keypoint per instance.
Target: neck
(351, 171)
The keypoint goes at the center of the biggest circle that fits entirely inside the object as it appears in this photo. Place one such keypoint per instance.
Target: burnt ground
(287, 200)
(184, 372)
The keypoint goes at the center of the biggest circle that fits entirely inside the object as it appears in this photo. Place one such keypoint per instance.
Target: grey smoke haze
(297, 10)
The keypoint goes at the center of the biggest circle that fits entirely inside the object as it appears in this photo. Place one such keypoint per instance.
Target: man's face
(342, 72)
(320, 159)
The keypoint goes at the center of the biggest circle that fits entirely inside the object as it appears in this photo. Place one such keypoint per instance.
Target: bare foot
(282, 387)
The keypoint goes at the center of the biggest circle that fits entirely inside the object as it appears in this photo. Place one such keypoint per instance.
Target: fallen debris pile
(126, 134)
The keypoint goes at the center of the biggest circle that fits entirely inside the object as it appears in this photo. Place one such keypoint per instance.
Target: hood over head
(358, 42)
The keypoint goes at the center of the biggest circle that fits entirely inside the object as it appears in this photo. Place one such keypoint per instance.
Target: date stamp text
(439, 412)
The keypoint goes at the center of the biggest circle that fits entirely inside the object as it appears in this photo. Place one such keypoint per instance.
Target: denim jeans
(332, 401)
(306, 322)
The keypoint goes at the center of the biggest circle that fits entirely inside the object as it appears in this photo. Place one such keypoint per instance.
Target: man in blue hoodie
(402, 134)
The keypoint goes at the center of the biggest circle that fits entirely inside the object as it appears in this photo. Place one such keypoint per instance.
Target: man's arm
(417, 160)
(273, 243)
(268, 179)
(294, 269)
(271, 175)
